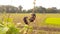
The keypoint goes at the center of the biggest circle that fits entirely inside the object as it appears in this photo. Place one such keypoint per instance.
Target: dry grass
(39, 22)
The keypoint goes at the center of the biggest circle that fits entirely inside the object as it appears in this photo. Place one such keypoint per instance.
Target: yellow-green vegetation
(53, 21)
(42, 20)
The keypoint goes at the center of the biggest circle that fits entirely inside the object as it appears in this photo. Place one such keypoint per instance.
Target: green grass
(53, 21)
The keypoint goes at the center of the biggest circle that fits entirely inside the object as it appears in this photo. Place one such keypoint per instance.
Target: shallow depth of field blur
(42, 20)
(47, 19)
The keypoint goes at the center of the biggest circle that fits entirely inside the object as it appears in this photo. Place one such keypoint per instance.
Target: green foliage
(13, 30)
(3, 29)
(7, 27)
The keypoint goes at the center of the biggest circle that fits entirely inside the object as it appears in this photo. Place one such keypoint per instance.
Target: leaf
(3, 30)
(13, 30)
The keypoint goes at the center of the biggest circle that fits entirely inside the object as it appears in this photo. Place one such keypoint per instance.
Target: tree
(52, 10)
(30, 11)
(40, 9)
(20, 9)
(11, 9)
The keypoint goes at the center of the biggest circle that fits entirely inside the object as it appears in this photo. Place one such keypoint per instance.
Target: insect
(32, 18)
(25, 20)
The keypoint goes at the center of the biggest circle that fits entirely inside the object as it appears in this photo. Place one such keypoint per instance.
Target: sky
(28, 4)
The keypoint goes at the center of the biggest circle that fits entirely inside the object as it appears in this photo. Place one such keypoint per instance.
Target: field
(54, 21)
(44, 23)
